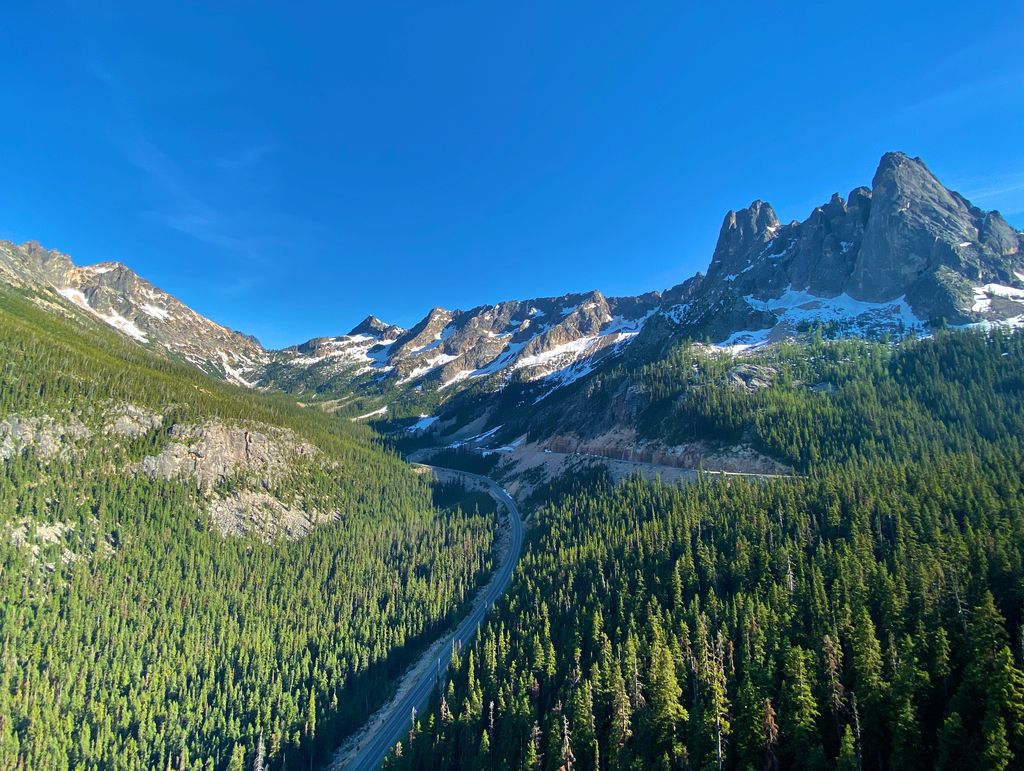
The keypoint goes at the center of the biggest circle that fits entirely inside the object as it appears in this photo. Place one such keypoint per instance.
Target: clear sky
(287, 168)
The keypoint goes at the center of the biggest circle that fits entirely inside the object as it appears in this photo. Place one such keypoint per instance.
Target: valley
(774, 516)
(366, 750)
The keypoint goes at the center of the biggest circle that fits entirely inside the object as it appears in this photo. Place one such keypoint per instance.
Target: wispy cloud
(185, 211)
(1004, 192)
(246, 157)
(1000, 185)
(965, 96)
(188, 195)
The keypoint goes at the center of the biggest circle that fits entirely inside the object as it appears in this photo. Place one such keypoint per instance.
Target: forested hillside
(135, 634)
(838, 401)
(864, 614)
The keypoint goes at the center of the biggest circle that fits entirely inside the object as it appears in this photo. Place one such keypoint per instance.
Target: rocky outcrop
(215, 452)
(750, 377)
(34, 536)
(44, 434)
(257, 511)
(132, 421)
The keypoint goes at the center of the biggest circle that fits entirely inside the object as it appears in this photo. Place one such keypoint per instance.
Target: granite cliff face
(116, 295)
(215, 452)
(906, 252)
(917, 227)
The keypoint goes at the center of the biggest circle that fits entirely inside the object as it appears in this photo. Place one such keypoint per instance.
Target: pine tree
(871, 688)
(770, 732)
(833, 656)
(621, 728)
(666, 712)
(848, 760)
(980, 738)
(907, 751)
(237, 761)
(799, 729)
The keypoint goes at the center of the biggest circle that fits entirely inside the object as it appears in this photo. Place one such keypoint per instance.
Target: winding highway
(375, 745)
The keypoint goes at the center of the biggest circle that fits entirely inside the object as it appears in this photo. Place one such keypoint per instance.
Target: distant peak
(371, 325)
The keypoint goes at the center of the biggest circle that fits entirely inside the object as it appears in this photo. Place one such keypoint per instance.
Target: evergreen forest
(134, 635)
(864, 612)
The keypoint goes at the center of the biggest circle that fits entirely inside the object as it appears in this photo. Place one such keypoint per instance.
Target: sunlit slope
(168, 595)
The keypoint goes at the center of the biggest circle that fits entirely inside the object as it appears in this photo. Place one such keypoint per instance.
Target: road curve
(397, 723)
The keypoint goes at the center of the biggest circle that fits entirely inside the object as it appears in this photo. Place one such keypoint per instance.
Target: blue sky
(288, 168)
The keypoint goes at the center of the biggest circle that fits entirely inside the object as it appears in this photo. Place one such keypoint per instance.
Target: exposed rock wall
(214, 452)
(622, 444)
(47, 436)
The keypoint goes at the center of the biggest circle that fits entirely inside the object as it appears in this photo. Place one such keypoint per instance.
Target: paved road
(397, 724)
(646, 464)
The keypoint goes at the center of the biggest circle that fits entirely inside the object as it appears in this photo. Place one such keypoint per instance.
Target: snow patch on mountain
(381, 411)
(231, 374)
(428, 366)
(76, 297)
(422, 424)
(114, 319)
(556, 354)
(797, 306)
(120, 323)
(438, 340)
(157, 313)
(743, 341)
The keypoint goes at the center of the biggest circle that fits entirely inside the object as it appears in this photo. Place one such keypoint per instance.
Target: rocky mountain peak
(370, 326)
(916, 225)
(742, 230)
(117, 296)
(903, 253)
(997, 234)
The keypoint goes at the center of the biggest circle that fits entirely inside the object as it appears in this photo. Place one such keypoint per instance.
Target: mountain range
(227, 571)
(905, 255)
